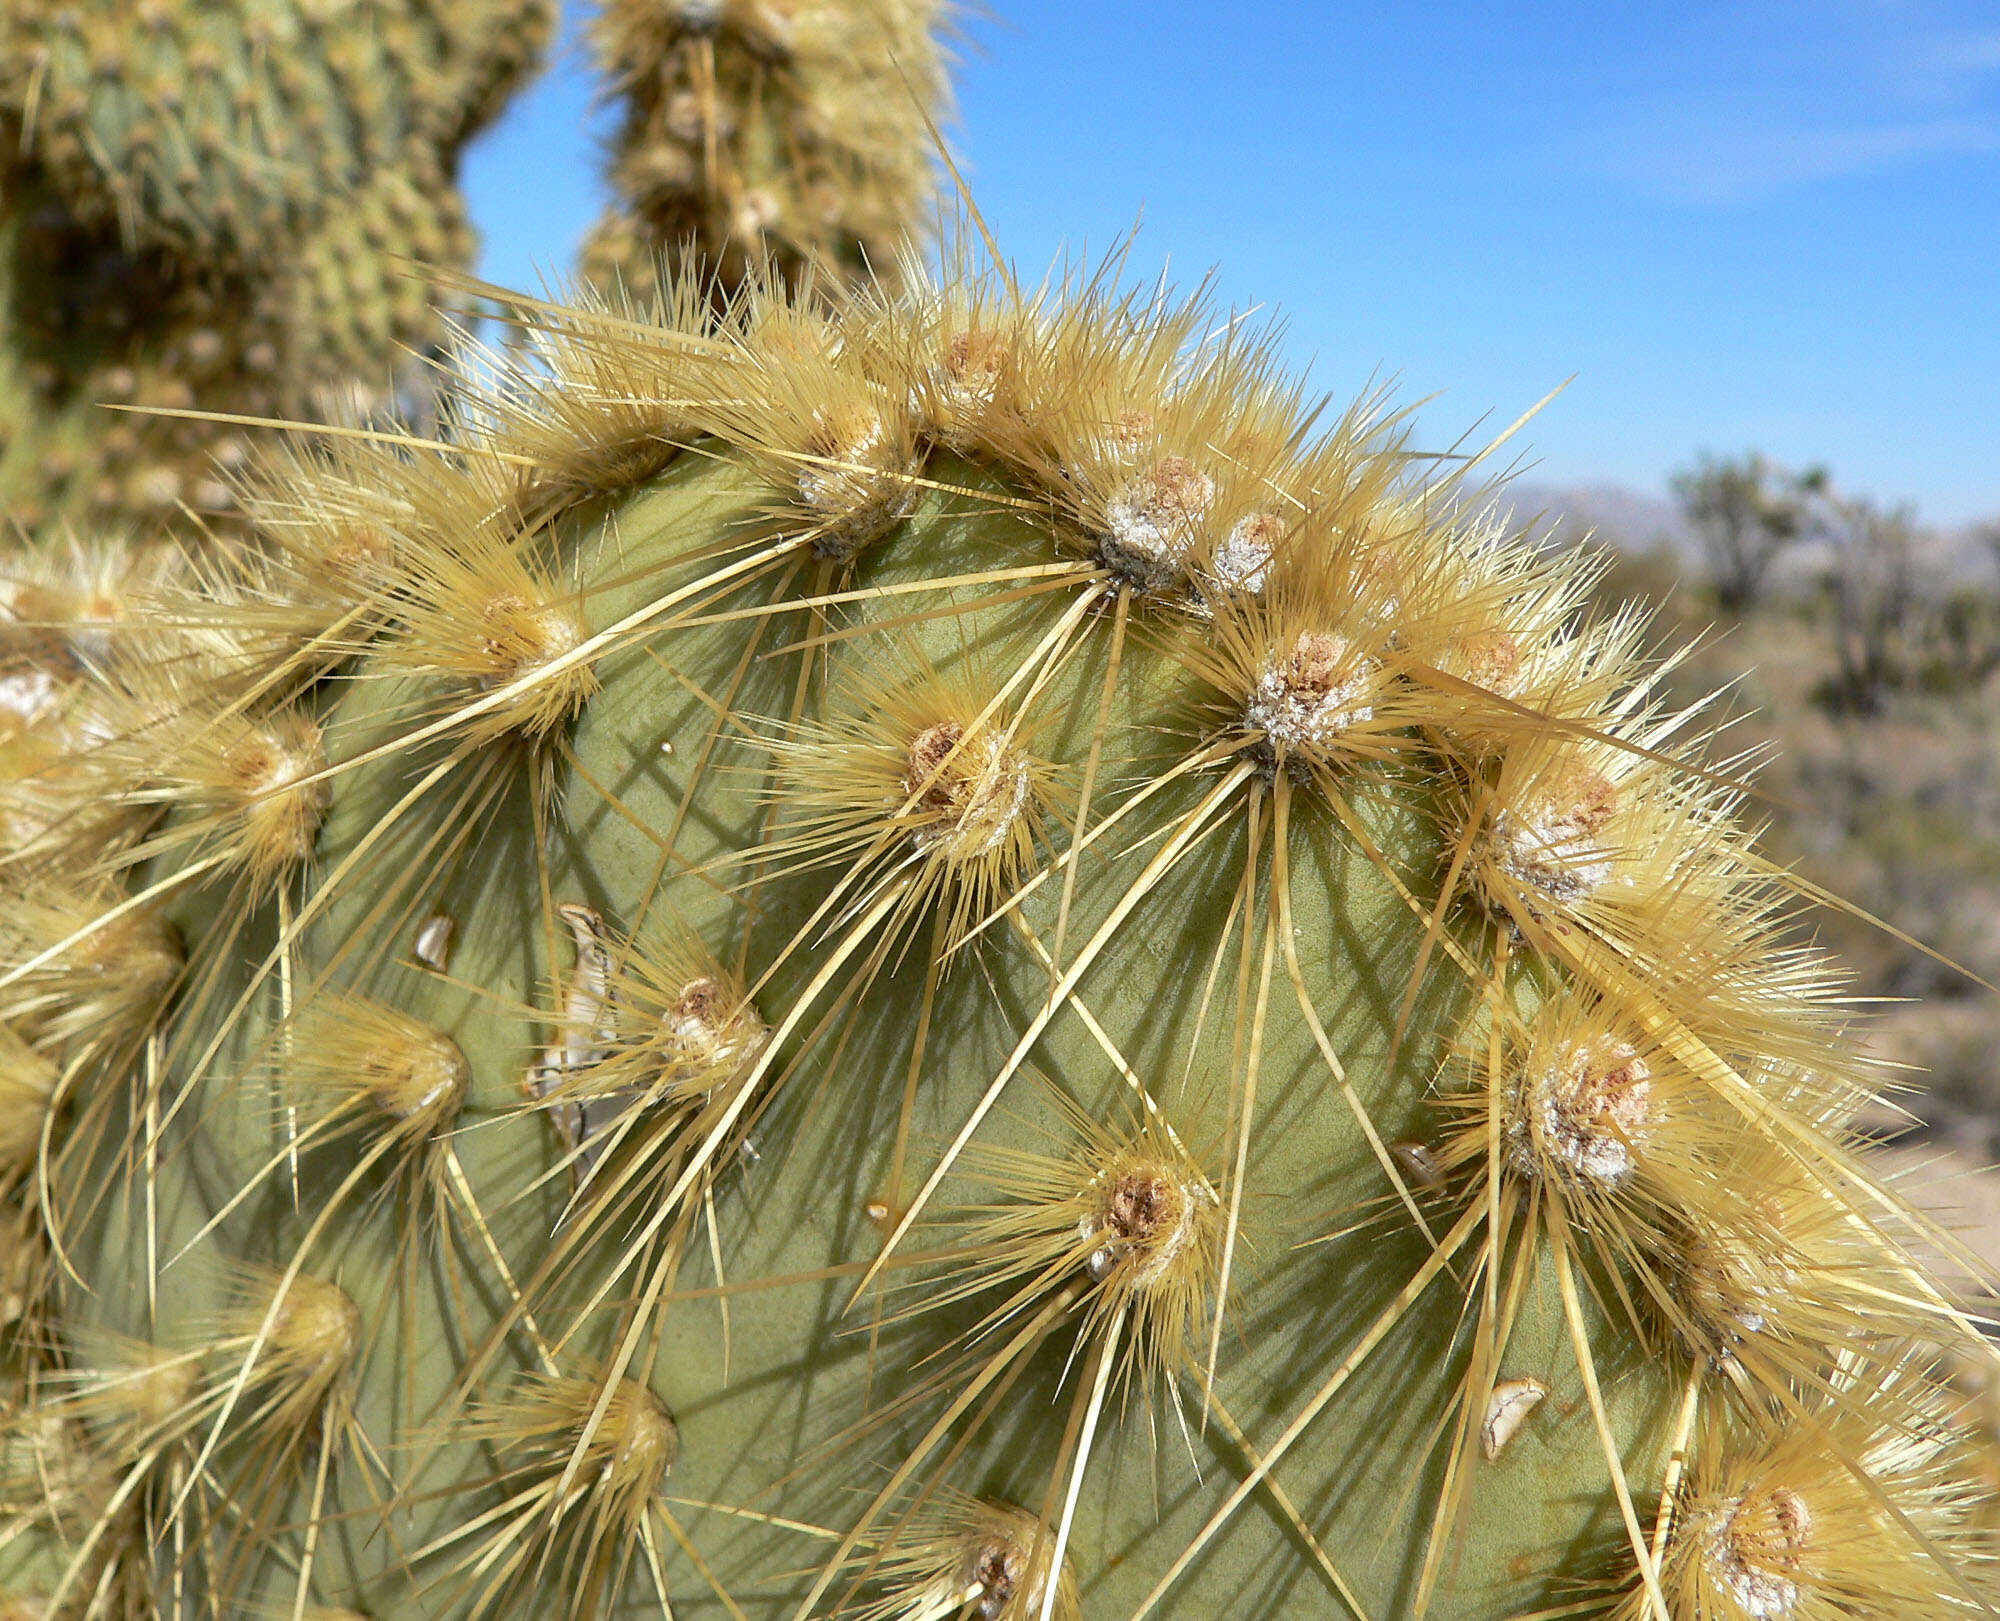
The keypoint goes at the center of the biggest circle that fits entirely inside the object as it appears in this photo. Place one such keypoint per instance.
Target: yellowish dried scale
(134, 1398)
(347, 1058)
(89, 971)
(951, 965)
(310, 1333)
(663, 1021)
(245, 784)
(52, 1484)
(500, 631)
(27, 1087)
(29, 1084)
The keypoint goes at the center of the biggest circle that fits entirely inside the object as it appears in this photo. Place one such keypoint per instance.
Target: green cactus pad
(919, 961)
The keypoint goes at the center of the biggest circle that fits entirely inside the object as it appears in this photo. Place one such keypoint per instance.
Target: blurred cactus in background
(209, 205)
(754, 131)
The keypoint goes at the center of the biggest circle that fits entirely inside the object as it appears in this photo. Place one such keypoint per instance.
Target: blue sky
(1766, 223)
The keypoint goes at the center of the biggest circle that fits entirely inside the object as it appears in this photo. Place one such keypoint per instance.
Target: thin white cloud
(1761, 98)
(1924, 53)
(1733, 165)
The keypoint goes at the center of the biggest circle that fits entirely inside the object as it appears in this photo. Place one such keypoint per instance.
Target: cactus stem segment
(1393, 978)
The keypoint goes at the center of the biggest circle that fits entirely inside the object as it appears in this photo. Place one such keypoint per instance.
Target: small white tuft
(1753, 1543)
(28, 697)
(1152, 521)
(1242, 563)
(1303, 700)
(1587, 1106)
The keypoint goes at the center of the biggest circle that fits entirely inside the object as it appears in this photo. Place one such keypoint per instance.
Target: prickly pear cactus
(928, 959)
(755, 131)
(210, 206)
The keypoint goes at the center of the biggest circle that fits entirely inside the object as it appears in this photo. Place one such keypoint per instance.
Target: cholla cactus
(207, 204)
(780, 131)
(917, 957)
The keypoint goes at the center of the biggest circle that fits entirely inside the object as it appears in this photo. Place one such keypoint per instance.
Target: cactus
(208, 207)
(916, 956)
(765, 131)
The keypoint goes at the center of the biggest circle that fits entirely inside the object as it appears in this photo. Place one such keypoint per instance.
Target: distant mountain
(1637, 523)
(1610, 514)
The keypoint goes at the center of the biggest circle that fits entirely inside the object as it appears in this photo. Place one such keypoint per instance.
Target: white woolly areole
(1553, 841)
(854, 482)
(967, 383)
(409, 1109)
(1152, 520)
(1761, 1592)
(1744, 1279)
(710, 1028)
(1131, 432)
(1309, 696)
(991, 1575)
(1243, 561)
(1547, 853)
(1587, 1107)
(1490, 660)
(521, 636)
(1003, 794)
(283, 767)
(29, 696)
(687, 1022)
(974, 794)
(1103, 1229)
(832, 485)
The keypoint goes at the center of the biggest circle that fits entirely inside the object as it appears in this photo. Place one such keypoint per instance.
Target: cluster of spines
(1652, 1098)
